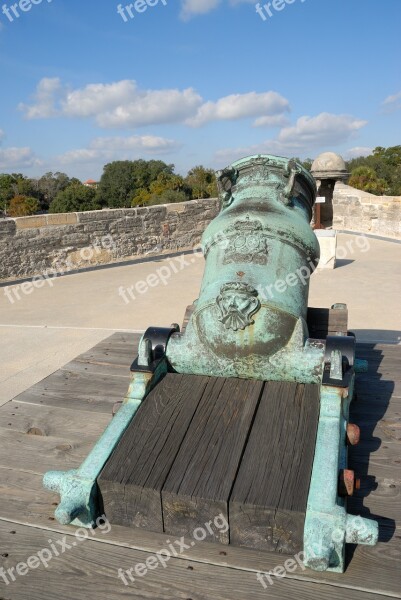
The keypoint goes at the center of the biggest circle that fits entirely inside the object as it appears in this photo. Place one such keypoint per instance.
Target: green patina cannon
(244, 324)
(250, 322)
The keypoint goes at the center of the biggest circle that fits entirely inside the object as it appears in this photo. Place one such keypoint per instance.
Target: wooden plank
(39, 454)
(375, 570)
(24, 501)
(371, 457)
(94, 370)
(48, 421)
(379, 384)
(268, 502)
(90, 568)
(200, 481)
(111, 352)
(131, 482)
(327, 321)
(77, 391)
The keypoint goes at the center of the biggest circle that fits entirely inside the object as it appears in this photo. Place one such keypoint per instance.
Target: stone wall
(354, 210)
(58, 243)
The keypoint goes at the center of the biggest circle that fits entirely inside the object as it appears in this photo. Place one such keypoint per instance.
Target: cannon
(250, 324)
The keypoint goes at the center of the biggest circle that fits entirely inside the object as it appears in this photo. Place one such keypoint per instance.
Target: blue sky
(195, 81)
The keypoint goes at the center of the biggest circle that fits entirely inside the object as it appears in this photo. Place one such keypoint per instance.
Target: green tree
(6, 190)
(202, 181)
(141, 198)
(168, 197)
(306, 163)
(386, 163)
(75, 198)
(121, 180)
(23, 206)
(166, 189)
(50, 184)
(366, 179)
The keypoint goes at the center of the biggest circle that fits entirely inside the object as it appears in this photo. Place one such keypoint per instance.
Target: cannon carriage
(243, 412)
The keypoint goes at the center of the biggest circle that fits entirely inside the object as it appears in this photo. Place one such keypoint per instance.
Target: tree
(6, 190)
(75, 198)
(307, 163)
(121, 180)
(168, 197)
(366, 179)
(203, 182)
(141, 198)
(386, 163)
(166, 189)
(23, 206)
(50, 184)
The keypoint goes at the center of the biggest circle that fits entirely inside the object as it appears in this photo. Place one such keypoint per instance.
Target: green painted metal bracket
(78, 488)
(328, 527)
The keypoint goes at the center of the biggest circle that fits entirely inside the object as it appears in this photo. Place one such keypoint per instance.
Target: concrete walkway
(42, 329)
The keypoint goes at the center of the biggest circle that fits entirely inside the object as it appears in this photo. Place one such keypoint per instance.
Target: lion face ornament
(237, 303)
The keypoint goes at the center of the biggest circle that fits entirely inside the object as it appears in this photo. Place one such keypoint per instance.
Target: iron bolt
(353, 434)
(347, 483)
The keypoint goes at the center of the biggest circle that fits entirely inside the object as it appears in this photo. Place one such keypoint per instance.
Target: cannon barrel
(260, 252)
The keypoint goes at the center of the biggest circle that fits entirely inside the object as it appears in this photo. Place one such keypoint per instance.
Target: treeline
(379, 173)
(124, 184)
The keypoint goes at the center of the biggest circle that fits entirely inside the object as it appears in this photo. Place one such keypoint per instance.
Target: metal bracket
(328, 527)
(152, 348)
(339, 361)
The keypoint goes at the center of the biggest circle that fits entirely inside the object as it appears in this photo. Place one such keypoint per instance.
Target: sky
(194, 82)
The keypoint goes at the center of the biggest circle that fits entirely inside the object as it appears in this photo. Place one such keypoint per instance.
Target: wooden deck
(54, 424)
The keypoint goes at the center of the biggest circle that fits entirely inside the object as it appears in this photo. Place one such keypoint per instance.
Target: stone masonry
(354, 210)
(45, 244)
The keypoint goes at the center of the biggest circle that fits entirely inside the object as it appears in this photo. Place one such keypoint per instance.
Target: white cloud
(193, 8)
(280, 120)
(12, 159)
(152, 107)
(357, 152)
(45, 98)
(392, 103)
(98, 98)
(239, 106)
(123, 104)
(119, 148)
(322, 131)
(119, 104)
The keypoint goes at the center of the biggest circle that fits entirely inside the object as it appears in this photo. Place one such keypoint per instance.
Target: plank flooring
(84, 393)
